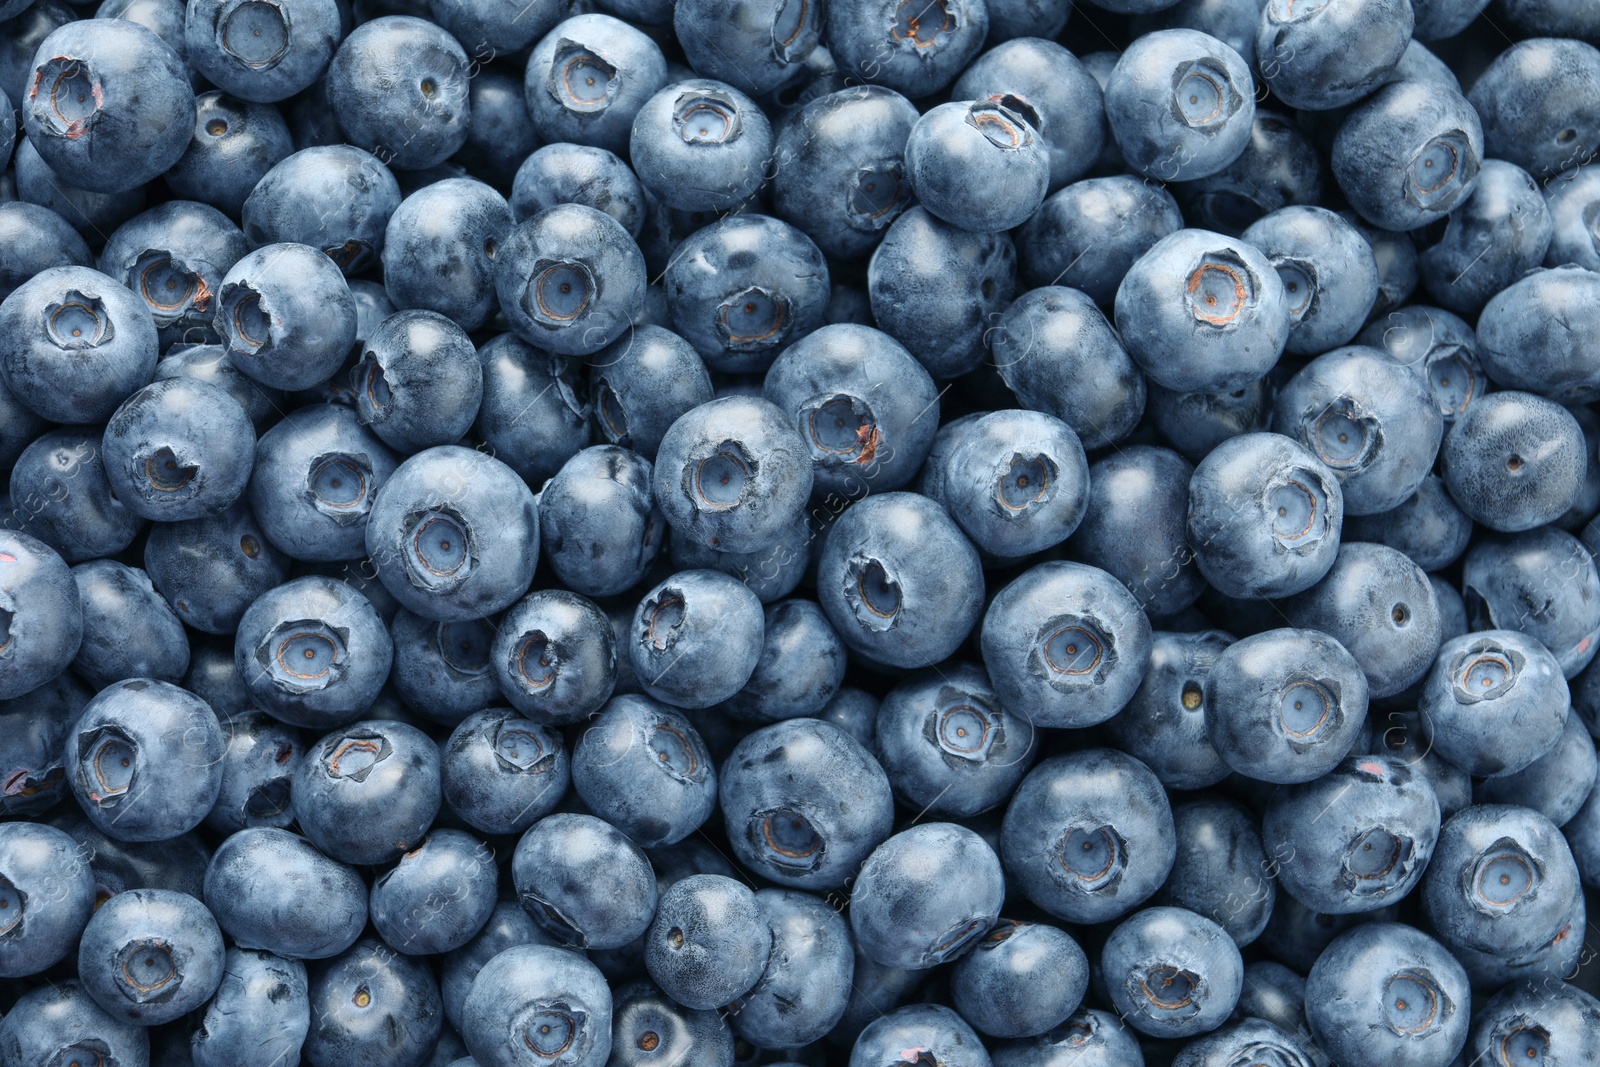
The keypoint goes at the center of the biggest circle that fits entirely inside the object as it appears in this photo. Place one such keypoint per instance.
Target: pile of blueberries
(938, 533)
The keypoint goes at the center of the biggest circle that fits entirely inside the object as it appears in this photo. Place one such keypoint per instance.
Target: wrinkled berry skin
(454, 534)
(149, 956)
(1374, 423)
(179, 448)
(1164, 724)
(1324, 56)
(262, 54)
(1408, 154)
(61, 1019)
(145, 760)
(1180, 104)
(109, 105)
(732, 473)
(559, 868)
(841, 169)
(709, 943)
(934, 288)
(644, 768)
(899, 581)
(1356, 839)
(1515, 461)
(369, 791)
(528, 987)
(1285, 705)
(1494, 702)
(42, 612)
(930, 1030)
(1203, 313)
(964, 143)
(1100, 804)
(700, 145)
(262, 1009)
(1380, 606)
(286, 316)
(570, 280)
(313, 652)
(804, 803)
(1542, 583)
(47, 878)
(1161, 949)
(1058, 354)
(1086, 235)
(1264, 516)
(74, 344)
(806, 987)
(1065, 645)
(1542, 334)
(398, 87)
(906, 913)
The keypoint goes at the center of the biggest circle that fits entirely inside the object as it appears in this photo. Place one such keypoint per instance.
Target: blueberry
(60, 1021)
(1088, 836)
(209, 362)
(34, 745)
(257, 767)
(262, 1009)
(584, 882)
(696, 638)
(1569, 198)
(588, 78)
(500, 132)
(1089, 233)
(1195, 423)
(61, 495)
(338, 198)
(286, 316)
(804, 803)
(742, 289)
(1164, 724)
(234, 144)
(841, 175)
(1552, 1022)
(567, 173)
(644, 768)
(118, 108)
(77, 343)
(1172, 973)
(313, 652)
(496, 27)
(48, 894)
(866, 409)
(438, 896)
(1330, 54)
(1021, 980)
(173, 257)
(1502, 880)
(913, 48)
(271, 889)
(1180, 104)
(1279, 167)
(598, 522)
(1200, 312)
(1251, 1038)
(554, 656)
(1408, 154)
(1429, 527)
(441, 669)
(1557, 783)
(538, 1000)
(128, 629)
(1492, 240)
(1264, 516)
(1535, 103)
(535, 409)
(700, 145)
(500, 773)
(754, 45)
(570, 279)
(508, 925)
(649, 1027)
(180, 448)
(92, 213)
(934, 288)
(805, 988)
(1221, 870)
(1089, 1038)
(262, 52)
(801, 666)
(1021, 503)
(212, 569)
(709, 943)
(1052, 84)
(1327, 269)
(642, 382)
(454, 534)
(398, 88)
(988, 144)
(35, 239)
(149, 956)
(1541, 583)
(931, 1031)
(1522, 346)
(1439, 346)
(372, 1007)
(1054, 335)
(1286, 705)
